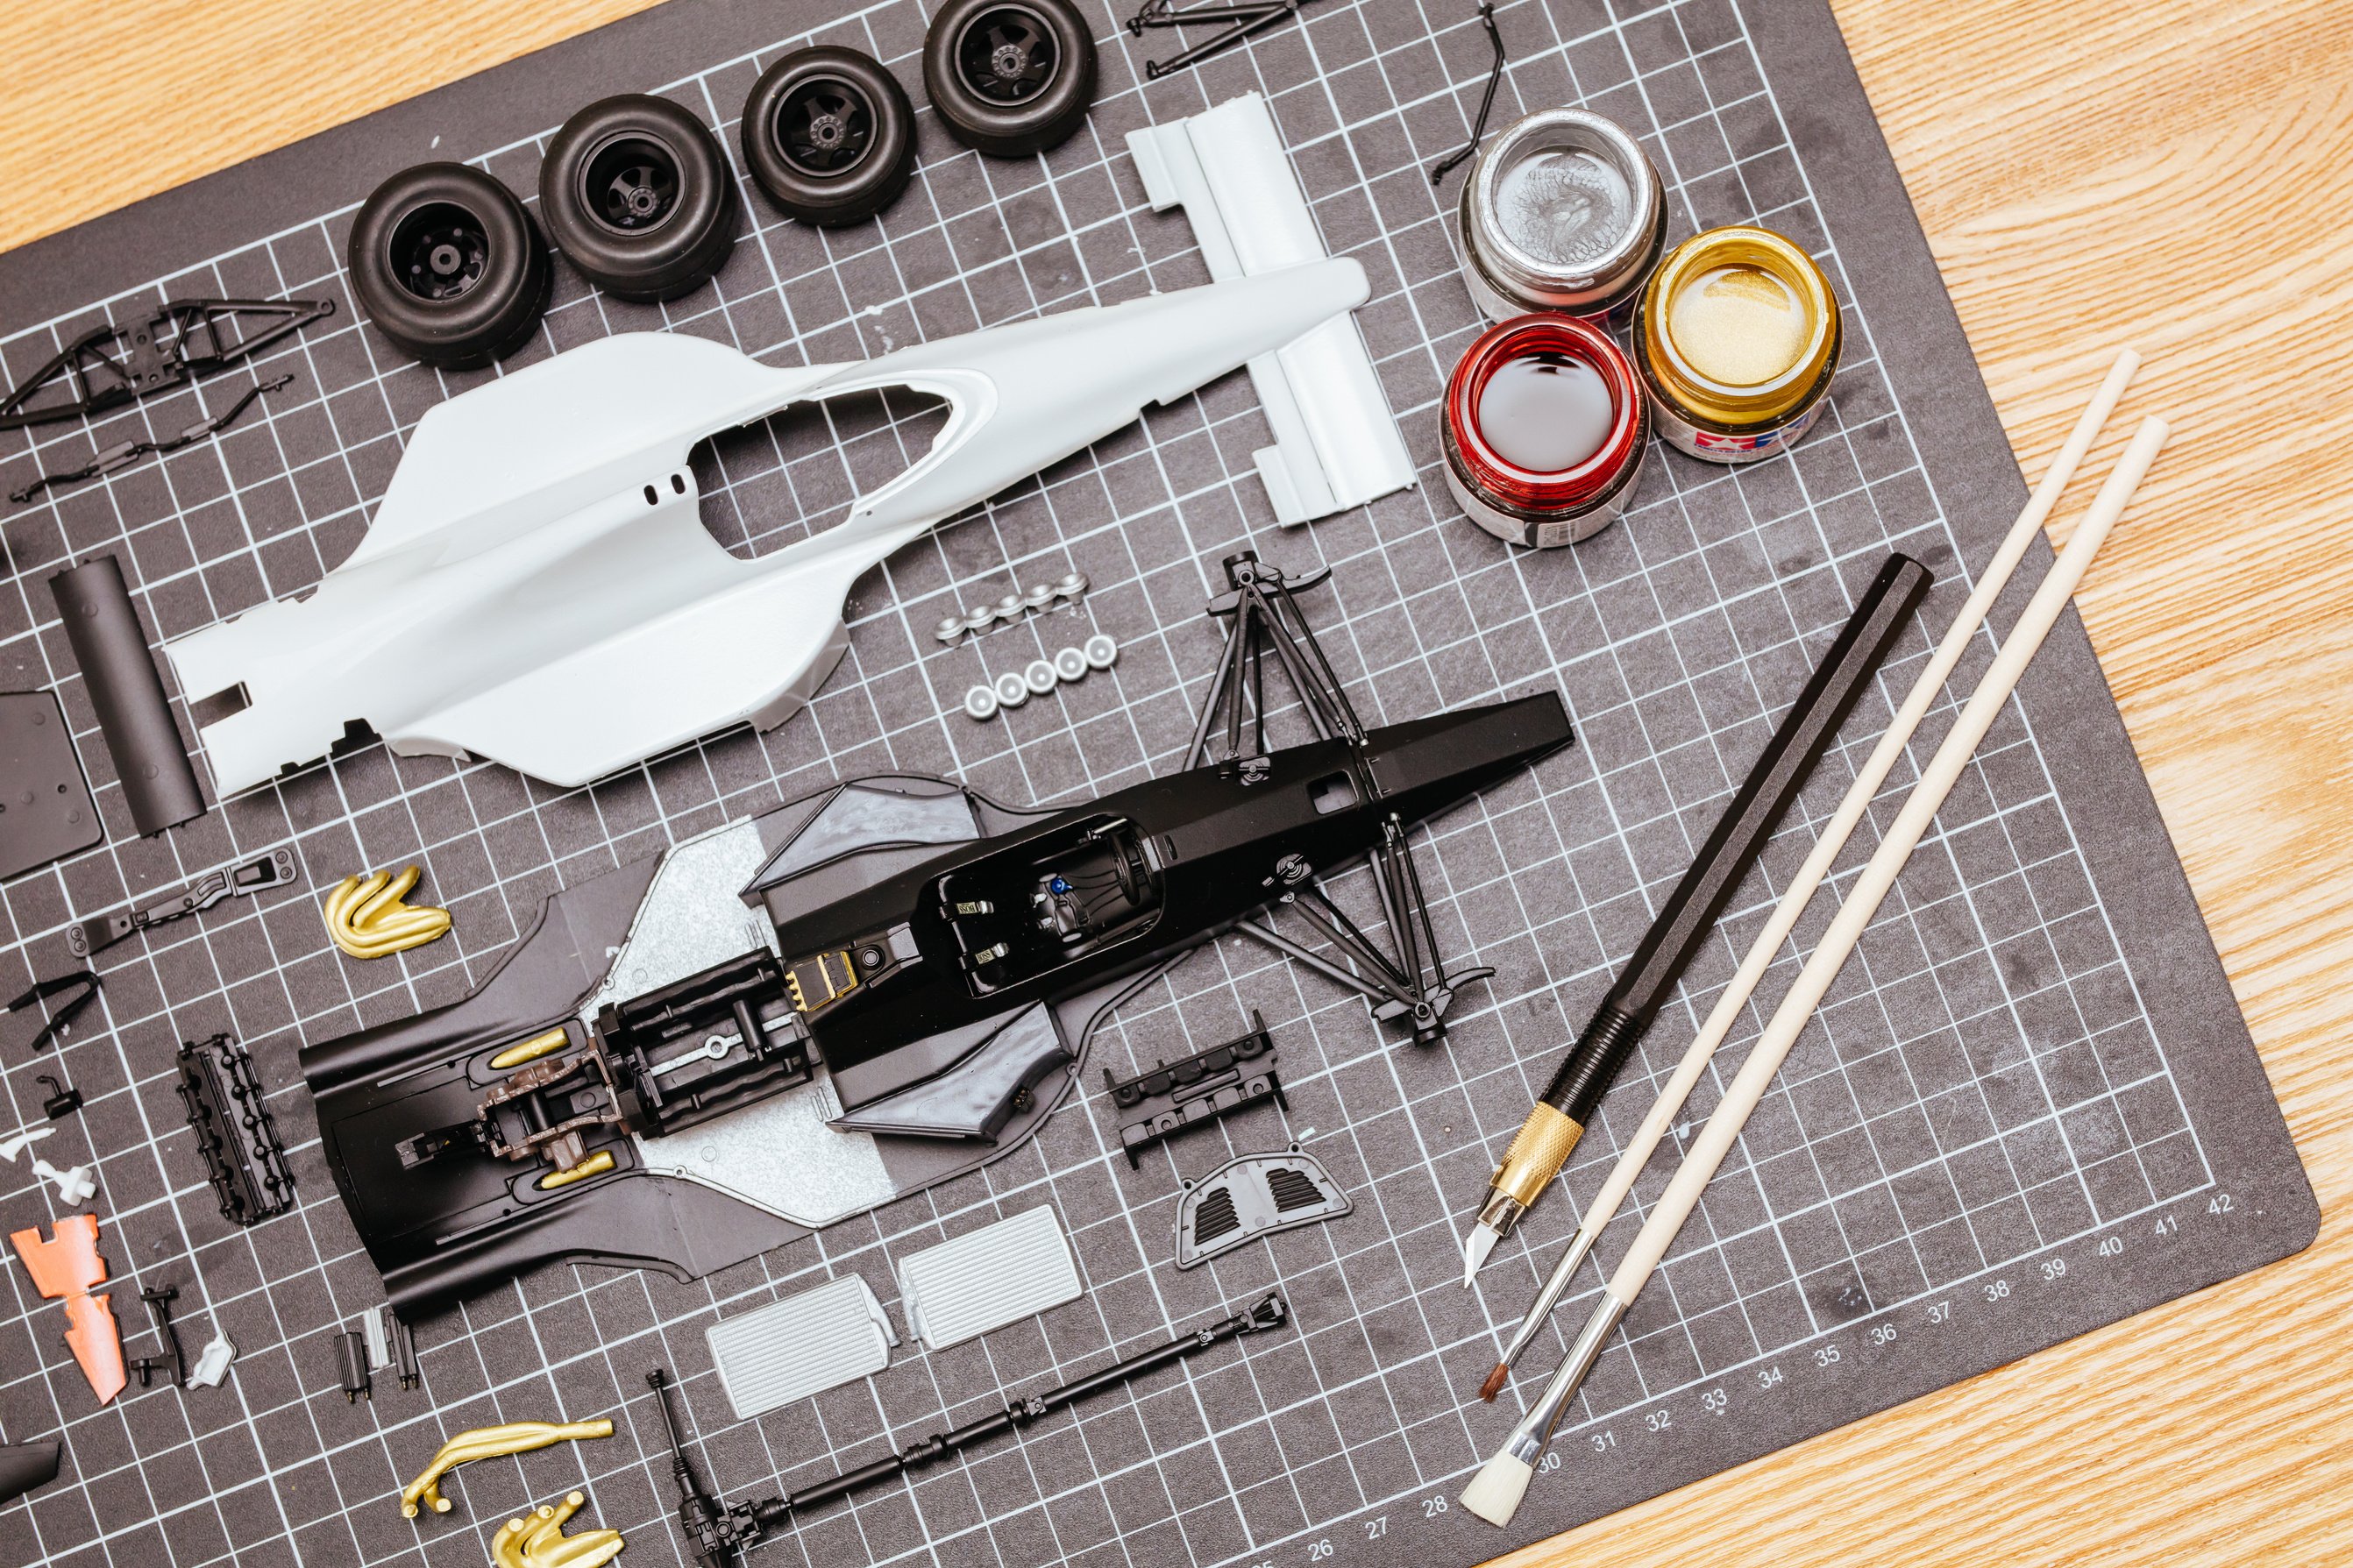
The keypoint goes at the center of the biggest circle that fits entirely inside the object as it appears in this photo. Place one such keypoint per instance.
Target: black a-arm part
(109, 366)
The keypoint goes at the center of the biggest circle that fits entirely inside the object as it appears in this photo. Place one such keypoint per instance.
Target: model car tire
(637, 193)
(829, 136)
(449, 267)
(1010, 77)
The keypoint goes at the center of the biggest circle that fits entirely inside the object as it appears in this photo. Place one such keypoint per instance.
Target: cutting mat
(2030, 1107)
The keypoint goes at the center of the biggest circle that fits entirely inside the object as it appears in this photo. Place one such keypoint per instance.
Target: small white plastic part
(1039, 677)
(212, 1363)
(1100, 651)
(980, 702)
(1336, 442)
(1071, 664)
(74, 1185)
(1012, 691)
(988, 1277)
(537, 587)
(804, 1344)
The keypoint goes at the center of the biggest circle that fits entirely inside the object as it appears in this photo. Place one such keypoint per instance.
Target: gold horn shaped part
(366, 919)
(596, 1165)
(531, 1051)
(539, 1542)
(489, 1443)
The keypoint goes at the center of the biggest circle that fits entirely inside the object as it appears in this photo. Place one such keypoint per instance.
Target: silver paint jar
(1563, 211)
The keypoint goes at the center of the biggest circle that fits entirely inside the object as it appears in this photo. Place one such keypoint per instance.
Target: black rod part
(1762, 799)
(133, 713)
(1268, 1313)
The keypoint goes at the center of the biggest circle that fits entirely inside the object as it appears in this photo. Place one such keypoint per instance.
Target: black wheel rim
(439, 252)
(825, 126)
(630, 184)
(1007, 55)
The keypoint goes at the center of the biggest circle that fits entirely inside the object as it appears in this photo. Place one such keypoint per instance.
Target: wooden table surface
(2170, 173)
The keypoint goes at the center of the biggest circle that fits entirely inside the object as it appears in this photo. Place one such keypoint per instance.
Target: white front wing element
(1336, 442)
(538, 587)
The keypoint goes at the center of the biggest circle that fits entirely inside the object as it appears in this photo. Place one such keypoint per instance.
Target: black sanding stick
(133, 713)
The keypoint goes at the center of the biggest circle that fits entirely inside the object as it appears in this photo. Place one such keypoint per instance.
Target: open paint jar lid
(1544, 424)
(1738, 328)
(1563, 211)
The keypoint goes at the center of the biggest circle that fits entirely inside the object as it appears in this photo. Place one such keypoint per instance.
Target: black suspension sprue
(1408, 984)
(718, 1532)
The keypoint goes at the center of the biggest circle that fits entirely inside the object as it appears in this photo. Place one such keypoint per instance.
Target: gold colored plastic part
(1538, 1150)
(531, 1051)
(366, 919)
(489, 1443)
(539, 1542)
(1798, 364)
(596, 1165)
(805, 999)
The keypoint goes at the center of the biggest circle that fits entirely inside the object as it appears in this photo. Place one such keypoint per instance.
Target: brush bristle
(1494, 1384)
(1495, 1493)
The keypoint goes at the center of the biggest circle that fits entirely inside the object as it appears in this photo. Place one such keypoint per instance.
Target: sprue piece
(538, 1539)
(445, 631)
(1012, 607)
(487, 1443)
(366, 917)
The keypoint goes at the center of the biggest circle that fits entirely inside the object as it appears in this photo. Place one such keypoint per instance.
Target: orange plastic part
(68, 1265)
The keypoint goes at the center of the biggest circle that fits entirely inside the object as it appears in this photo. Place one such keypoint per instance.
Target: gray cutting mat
(2030, 1107)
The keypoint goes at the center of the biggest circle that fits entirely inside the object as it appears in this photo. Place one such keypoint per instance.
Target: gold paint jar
(1737, 336)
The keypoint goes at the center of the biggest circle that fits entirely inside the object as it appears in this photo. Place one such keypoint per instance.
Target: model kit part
(134, 715)
(122, 454)
(274, 869)
(212, 1362)
(988, 1277)
(1335, 443)
(489, 1443)
(74, 1186)
(60, 1018)
(804, 1344)
(234, 1130)
(181, 341)
(538, 587)
(539, 1542)
(64, 1267)
(1177, 1096)
(24, 1466)
(366, 917)
(718, 1532)
(1255, 1195)
(49, 813)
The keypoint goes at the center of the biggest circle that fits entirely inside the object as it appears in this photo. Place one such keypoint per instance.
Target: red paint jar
(1545, 421)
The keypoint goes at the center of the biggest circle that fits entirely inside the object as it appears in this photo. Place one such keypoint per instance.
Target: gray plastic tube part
(133, 713)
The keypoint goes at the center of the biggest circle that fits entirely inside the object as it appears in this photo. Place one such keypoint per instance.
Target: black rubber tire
(636, 192)
(448, 266)
(1027, 93)
(856, 149)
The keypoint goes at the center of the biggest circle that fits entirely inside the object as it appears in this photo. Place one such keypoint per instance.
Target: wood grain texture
(2090, 172)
